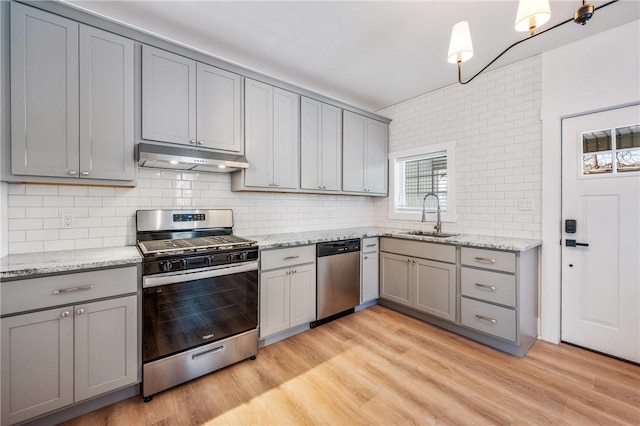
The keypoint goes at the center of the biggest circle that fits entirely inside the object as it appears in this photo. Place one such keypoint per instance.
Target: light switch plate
(525, 204)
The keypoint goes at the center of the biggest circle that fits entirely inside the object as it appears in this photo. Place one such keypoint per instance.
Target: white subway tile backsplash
(58, 245)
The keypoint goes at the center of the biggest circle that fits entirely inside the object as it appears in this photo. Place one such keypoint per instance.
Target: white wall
(106, 216)
(600, 72)
(495, 121)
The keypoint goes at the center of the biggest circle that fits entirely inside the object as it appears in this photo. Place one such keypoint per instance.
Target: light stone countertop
(467, 240)
(35, 264)
(17, 266)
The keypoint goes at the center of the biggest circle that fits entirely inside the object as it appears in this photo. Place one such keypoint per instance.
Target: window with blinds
(421, 176)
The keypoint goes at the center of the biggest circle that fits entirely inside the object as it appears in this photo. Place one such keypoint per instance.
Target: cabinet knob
(72, 172)
(84, 173)
(276, 184)
(192, 141)
(414, 261)
(200, 143)
(80, 311)
(366, 257)
(65, 314)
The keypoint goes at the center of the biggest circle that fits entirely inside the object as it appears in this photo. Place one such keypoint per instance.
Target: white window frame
(396, 181)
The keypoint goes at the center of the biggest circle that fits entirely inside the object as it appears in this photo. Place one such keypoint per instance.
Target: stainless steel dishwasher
(338, 279)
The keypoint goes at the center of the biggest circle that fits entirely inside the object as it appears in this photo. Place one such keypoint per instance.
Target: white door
(601, 259)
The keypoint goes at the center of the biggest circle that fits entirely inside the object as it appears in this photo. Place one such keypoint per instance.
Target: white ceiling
(370, 54)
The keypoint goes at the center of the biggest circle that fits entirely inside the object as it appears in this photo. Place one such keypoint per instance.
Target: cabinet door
(44, 93)
(106, 346)
(435, 288)
(331, 148)
(219, 107)
(310, 144)
(37, 363)
(353, 149)
(258, 124)
(376, 153)
(274, 302)
(395, 272)
(320, 146)
(370, 284)
(286, 139)
(168, 97)
(106, 105)
(303, 295)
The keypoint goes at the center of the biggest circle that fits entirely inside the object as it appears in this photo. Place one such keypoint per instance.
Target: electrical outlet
(67, 221)
(525, 205)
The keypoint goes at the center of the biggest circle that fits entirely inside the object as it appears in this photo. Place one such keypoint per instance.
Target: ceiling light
(460, 46)
(531, 15)
(173, 162)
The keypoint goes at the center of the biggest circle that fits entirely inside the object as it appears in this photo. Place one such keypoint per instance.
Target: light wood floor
(380, 367)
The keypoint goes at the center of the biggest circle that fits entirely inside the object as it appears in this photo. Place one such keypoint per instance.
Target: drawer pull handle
(488, 287)
(72, 289)
(485, 260)
(371, 245)
(491, 320)
(291, 257)
(210, 351)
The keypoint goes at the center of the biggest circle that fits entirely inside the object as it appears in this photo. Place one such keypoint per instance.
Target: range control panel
(188, 217)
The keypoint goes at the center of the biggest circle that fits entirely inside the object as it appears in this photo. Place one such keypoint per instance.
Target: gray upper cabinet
(44, 94)
(320, 146)
(272, 137)
(106, 105)
(168, 97)
(190, 103)
(72, 99)
(365, 149)
(219, 109)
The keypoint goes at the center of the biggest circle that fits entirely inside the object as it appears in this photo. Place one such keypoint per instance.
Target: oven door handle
(180, 277)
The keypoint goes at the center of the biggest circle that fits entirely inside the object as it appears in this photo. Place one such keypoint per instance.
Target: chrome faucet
(438, 226)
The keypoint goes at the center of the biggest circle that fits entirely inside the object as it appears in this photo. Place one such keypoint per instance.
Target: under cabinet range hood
(184, 158)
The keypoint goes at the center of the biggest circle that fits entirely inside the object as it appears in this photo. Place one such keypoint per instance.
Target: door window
(611, 151)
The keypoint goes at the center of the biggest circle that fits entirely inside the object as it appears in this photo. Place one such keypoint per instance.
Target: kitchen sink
(429, 234)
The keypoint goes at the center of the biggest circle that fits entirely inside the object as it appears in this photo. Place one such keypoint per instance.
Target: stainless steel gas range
(199, 295)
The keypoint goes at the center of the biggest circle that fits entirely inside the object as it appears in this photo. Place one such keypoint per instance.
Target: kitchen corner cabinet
(190, 103)
(369, 286)
(54, 357)
(72, 99)
(272, 138)
(287, 289)
(365, 149)
(320, 146)
(419, 275)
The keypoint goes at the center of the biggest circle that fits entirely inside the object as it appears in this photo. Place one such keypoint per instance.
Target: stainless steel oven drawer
(174, 370)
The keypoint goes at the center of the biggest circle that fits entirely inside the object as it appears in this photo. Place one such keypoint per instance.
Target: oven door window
(181, 316)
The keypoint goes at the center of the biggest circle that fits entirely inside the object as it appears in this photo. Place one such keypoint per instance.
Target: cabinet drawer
(440, 252)
(67, 289)
(490, 319)
(491, 286)
(489, 259)
(281, 258)
(370, 245)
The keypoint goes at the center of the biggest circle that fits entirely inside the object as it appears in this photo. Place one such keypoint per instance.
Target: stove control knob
(207, 260)
(165, 265)
(183, 263)
(243, 256)
(231, 257)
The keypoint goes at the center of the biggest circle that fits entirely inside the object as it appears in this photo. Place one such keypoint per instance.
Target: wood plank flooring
(381, 367)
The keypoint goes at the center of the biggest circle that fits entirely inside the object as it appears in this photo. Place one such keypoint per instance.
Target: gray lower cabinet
(365, 149)
(72, 99)
(496, 294)
(272, 139)
(370, 270)
(55, 357)
(190, 103)
(421, 284)
(287, 289)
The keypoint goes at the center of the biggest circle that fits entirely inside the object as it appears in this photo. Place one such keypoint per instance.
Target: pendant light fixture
(531, 15)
